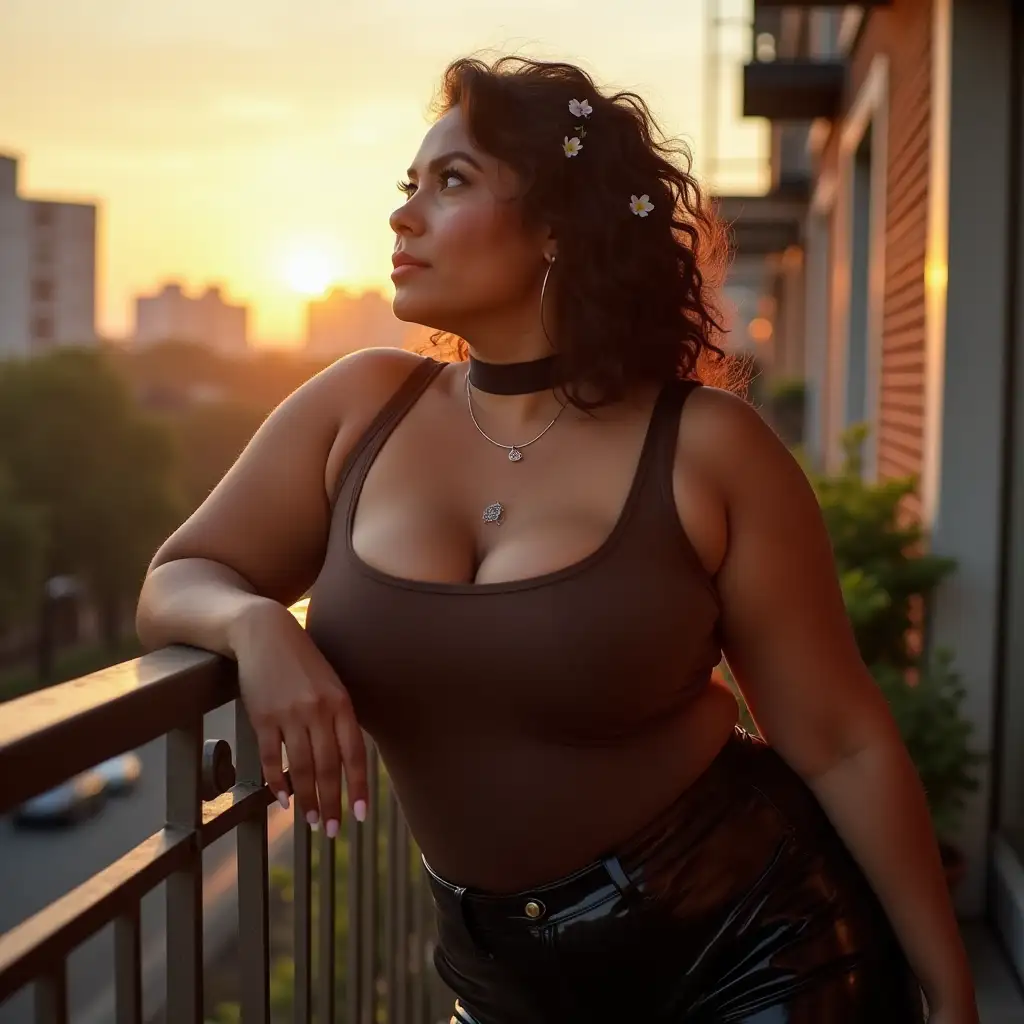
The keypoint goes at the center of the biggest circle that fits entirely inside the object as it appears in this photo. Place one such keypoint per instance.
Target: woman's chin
(412, 309)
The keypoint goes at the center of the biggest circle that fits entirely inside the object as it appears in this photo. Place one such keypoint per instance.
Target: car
(120, 774)
(78, 798)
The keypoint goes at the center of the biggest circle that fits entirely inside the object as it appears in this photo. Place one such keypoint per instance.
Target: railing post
(185, 887)
(253, 883)
(371, 893)
(326, 897)
(51, 995)
(128, 966)
(302, 996)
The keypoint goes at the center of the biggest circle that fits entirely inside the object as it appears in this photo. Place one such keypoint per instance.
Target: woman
(522, 577)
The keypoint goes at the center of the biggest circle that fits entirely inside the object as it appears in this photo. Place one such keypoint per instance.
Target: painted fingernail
(359, 810)
(282, 799)
(332, 829)
(313, 820)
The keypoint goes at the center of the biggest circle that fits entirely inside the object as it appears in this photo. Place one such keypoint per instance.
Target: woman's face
(462, 253)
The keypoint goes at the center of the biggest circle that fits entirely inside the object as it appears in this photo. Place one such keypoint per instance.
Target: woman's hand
(293, 697)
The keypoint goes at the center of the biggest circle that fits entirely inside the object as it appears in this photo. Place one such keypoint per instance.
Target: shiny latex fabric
(738, 904)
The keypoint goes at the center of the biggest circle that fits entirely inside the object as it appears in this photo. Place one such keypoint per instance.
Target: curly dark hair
(635, 299)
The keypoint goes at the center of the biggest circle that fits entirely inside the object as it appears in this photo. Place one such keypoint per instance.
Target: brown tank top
(531, 722)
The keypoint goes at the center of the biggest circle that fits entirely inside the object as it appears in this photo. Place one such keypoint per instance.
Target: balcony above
(806, 4)
(764, 225)
(793, 90)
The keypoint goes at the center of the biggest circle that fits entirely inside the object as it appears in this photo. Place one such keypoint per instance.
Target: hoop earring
(543, 290)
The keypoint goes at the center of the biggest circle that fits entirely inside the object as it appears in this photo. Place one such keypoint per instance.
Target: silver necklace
(515, 451)
(495, 512)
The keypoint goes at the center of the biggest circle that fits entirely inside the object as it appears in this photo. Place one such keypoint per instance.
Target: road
(37, 867)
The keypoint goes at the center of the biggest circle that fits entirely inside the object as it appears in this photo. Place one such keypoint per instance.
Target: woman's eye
(451, 179)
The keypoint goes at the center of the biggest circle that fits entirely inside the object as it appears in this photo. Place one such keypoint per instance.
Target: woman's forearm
(875, 801)
(194, 601)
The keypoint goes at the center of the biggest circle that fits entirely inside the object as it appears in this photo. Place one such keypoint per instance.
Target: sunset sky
(257, 144)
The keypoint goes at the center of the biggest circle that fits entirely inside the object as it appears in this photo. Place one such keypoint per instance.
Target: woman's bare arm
(790, 645)
(224, 579)
(262, 532)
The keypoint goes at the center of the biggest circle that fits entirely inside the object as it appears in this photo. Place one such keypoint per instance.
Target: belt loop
(618, 875)
(482, 951)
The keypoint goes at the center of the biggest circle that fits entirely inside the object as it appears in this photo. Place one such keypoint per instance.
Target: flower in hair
(572, 146)
(641, 206)
(580, 108)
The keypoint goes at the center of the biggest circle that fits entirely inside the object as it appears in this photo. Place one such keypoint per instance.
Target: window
(42, 329)
(42, 215)
(42, 290)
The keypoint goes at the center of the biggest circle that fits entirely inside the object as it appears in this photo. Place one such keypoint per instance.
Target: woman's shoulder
(371, 375)
(731, 440)
(355, 390)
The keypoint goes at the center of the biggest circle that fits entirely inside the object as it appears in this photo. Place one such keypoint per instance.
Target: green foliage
(101, 474)
(788, 390)
(886, 578)
(884, 571)
(22, 552)
(937, 735)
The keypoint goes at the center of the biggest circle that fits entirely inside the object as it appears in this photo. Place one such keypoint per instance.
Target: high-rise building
(343, 322)
(47, 270)
(207, 319)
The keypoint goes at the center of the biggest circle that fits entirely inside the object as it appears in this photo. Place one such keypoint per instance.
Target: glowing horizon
(259, 147)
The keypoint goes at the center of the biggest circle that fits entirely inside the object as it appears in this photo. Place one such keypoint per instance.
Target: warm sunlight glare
(310, 269)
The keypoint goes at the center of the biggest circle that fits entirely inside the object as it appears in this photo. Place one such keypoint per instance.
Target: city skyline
(259, 147)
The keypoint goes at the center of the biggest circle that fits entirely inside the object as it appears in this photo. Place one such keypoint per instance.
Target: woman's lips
(405, 264)
(405, 269)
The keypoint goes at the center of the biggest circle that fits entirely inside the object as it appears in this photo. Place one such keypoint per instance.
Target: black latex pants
(740, 903)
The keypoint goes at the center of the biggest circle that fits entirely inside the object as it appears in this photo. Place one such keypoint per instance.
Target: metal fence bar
(392, 963)
(355, 954)
(302, 950)
(128, 966)
(326, 894)
(417, 964)
(167, 693)
(402, 914)
(370, 935)
(253, 883)
(185, 886)
(51, 994)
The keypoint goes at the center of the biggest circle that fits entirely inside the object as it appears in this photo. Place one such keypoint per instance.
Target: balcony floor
(999, 997)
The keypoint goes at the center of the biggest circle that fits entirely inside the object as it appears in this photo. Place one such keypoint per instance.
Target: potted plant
(927, 710)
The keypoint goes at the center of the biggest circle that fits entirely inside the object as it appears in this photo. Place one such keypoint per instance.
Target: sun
(310, 269)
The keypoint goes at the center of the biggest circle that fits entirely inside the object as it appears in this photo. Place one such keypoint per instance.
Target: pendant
(514, 454)
(494, 513)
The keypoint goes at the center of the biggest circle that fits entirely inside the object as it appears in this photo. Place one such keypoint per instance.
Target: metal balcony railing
(52, 735)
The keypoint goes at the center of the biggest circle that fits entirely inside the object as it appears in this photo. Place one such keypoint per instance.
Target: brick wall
(903, 32)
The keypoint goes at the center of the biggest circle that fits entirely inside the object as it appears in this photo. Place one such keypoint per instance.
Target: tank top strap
(391, 412)
(657, 487)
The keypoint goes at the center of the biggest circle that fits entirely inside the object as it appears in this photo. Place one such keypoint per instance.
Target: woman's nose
(407, 220)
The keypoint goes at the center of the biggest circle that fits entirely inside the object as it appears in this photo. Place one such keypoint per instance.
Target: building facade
(910, 118)
(206, 319)
(47, 270)
(344, 321)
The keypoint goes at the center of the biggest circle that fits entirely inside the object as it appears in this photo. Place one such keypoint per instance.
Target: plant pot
(954, 864)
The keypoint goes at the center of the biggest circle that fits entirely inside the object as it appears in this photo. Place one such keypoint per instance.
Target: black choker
(515, 378)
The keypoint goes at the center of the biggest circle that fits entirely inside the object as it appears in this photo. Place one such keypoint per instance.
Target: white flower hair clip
(641, 205)
(571, 145)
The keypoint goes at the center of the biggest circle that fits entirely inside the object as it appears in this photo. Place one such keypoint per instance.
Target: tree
(77, 447)
(22, 550)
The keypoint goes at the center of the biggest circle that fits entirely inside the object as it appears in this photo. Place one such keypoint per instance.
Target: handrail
(54, 734)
